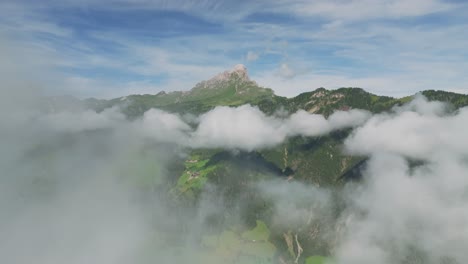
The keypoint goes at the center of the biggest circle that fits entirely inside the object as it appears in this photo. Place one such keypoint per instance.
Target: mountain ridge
(318, 161)
(234, 87)
(315, 160)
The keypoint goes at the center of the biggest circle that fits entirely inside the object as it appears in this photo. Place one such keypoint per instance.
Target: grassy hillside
(231, 92)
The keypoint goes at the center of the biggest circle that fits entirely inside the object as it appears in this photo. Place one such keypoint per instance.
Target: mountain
(234, 88)
(233, 175)
(231, 88)
(315, 160)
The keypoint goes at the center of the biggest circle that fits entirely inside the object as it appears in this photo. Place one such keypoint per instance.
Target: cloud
(344, 49)
(421, 105)
(296, 204)
(247, 128)
(86, 120)
(403, 210)
(236, 128)
(252, 56)
(306, 124)
(417, 130)
(366, 9)
(80, 186)
(401, 213)
(410, 204)
(59, 200)
(163, 127)
(244, 127)
(285, 71)
(72, 183)
(395, 85)
(216, 10)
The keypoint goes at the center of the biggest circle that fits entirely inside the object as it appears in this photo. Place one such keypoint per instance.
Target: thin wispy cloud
(393, 47)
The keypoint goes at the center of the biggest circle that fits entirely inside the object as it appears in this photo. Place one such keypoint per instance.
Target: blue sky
(111, 48)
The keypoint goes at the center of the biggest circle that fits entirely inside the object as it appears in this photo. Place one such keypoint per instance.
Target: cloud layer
(419, 130)
(237, 128)
(78, 186)
(411, 204)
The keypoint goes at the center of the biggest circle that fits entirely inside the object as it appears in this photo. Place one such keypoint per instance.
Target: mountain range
(317, 161)
(234, 87)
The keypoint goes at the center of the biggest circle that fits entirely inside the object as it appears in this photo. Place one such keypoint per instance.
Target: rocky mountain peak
(238, 73)
(240, 70)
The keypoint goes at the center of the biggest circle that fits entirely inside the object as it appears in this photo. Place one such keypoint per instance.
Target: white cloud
(222, 10)
(421, 105)
(236, 128)
(306, 124)
(386, 58)
(87, 120)
(396, 85)
(345, 119)
(244, 127)
(368, 9)
(296, 204)
(252, 56)
(402, 213)
(163, 127)
(417, 130)
(398, 209)
(247, 128)
(285, 71)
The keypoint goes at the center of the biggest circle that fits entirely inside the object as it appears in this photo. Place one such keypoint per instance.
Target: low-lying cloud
(238, 128)
(411, 205)
(85, 187)
(419, 130)
(247, 128)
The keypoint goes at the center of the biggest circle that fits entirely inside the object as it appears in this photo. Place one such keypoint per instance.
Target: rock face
(241, 72)
(238, 73)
